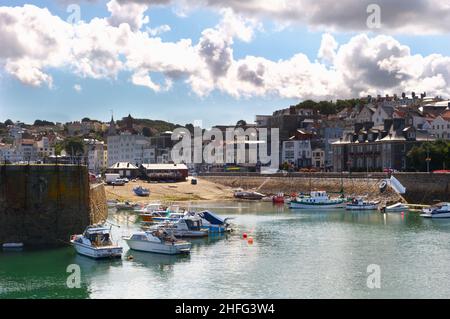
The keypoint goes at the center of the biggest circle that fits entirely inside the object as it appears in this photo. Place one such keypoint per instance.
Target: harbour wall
(421, 188)
(42, 205)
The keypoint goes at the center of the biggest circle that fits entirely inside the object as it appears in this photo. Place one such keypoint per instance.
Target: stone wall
(293, 184)
(425, 188)
(98, 205)
(42, 205)
(421, 188)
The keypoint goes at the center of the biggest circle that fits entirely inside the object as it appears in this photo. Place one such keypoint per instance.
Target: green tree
(74, 146)
(9, 122)
(146, 131)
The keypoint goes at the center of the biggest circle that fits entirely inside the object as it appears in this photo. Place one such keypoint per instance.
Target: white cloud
(36, 41)
(131, 13)
(158, 30)
(77, 88)
(409, 17)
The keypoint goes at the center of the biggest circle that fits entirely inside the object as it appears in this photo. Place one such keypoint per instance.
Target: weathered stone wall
(99, 208)
(42, 205)
(272, 185)
(425, 188)
(421, 188)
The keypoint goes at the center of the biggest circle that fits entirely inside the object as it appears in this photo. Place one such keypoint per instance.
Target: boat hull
(436, 215)
(97, 252)
(361, 207)
(158, 248)
(299, 205)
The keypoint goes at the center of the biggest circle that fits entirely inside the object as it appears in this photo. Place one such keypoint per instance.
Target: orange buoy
(244, 235)
(250, 240)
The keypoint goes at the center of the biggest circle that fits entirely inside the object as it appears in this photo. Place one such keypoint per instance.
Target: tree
(241, 123)
(86, 119)
(9, 122)
(74, 146)
(43, 123)
(438, 151)
(146, 131)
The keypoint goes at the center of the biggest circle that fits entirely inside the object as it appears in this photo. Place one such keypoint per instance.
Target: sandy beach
(171, 192)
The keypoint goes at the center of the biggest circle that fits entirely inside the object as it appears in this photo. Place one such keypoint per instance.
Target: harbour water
(294, 255)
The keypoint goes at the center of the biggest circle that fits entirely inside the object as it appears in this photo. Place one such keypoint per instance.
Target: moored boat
(96, 243)
(248, 195)
(141, 191)
(317, 200)
(360, 204)
(157, 241)
(397, 207)
(441, 210)
(188, 227)
(278, 198)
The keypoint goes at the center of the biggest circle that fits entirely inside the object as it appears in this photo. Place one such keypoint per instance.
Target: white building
(297, 152)
(127, 147)
(440, 127)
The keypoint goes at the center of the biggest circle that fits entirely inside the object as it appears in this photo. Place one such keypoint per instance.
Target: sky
(215, 61)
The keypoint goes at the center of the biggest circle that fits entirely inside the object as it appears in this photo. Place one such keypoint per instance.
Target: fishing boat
(96, 243)
(141, 191)
(360, 204)
(278, 198)
(441, 210)
(158, 241)
(398, 207)
(317, 200)
(248, 195)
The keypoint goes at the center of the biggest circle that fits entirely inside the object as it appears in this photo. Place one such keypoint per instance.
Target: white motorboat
(317, 200)
(96, 243)
(190, 226)
(360, 204)
(158, 241)
(441, 210)
(398, 207)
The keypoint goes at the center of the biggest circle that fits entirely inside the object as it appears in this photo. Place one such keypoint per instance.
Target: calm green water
(294, 255)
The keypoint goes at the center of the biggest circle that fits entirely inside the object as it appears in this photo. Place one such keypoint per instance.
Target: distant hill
(155, 126)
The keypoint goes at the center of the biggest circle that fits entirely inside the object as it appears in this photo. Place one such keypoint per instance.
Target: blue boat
(141, 191)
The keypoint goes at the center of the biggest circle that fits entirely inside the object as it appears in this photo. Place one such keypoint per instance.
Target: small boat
(317, 200)
(171, 217)
(96, 243)
(278, 199)
(441, 210)
(141, 191)
(12, 246)
(111, 203)
(126, 206)
(189, 227)
(248, 195)
(398, 207)
(360, 204)
(158, 241)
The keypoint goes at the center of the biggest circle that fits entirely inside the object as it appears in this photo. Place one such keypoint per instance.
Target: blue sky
(181, 104)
